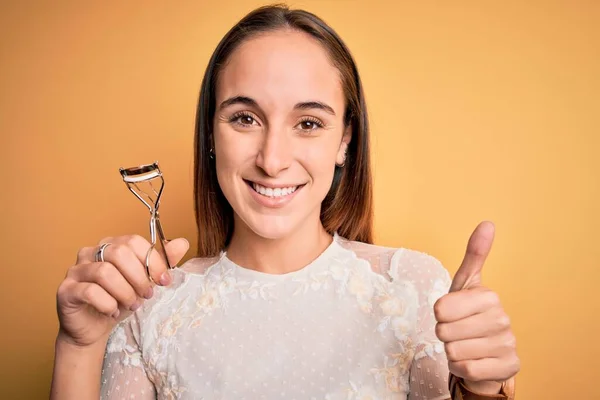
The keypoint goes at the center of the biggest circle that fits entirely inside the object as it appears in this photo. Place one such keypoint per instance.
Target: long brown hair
(348, 207)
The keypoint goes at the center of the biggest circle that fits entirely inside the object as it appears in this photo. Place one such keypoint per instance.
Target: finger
(486, 369)
(107, 276)
(175, 249)
(88, 254)
(488, 323)
(474, 349)
(120, 254)
(128, 264)
(96, 297)
(478, 248)
(464, 303)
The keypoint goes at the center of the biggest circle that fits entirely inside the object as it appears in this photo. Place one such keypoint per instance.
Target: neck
(277, 256)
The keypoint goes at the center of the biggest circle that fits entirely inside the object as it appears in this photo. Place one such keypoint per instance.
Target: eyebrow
(307, 105)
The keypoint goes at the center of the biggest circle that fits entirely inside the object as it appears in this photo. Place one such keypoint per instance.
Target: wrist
(484, 387)
(460, 391)
(65, 342)
(66, 346)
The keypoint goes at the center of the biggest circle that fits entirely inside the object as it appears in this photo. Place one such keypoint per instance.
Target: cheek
(234, 150)
(230, 155)
(319, 161)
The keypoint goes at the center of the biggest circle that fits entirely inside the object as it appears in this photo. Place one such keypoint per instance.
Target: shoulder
(384, 258)
(379, 257)
(401, 264)
(198, 265)
(167, 300)
(186, 278)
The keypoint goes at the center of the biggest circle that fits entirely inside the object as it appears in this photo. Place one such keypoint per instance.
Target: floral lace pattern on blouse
(356, 323)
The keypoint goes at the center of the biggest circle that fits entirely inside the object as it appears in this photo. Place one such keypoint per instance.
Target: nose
(275, 154)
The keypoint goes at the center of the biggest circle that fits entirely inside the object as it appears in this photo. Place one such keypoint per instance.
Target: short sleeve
(429, 369)
(123, 373)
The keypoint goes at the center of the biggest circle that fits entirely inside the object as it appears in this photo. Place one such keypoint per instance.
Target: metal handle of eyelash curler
(156, 227)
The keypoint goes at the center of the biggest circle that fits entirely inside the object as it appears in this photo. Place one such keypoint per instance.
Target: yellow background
(479, 109)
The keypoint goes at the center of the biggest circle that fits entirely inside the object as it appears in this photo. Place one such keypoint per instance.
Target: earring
(343, 162)
(211, 153)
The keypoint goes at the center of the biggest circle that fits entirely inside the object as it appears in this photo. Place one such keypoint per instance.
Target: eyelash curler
(148, 173)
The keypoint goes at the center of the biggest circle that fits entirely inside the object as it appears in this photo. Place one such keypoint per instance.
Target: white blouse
(356, 323)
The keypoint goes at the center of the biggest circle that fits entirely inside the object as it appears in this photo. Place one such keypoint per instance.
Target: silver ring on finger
(99, 256)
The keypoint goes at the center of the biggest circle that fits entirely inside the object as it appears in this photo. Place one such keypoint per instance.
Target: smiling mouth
(273, 193)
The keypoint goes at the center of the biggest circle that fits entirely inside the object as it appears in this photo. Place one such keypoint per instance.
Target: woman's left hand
(472, 324)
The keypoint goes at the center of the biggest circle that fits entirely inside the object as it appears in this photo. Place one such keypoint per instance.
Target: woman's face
(278, 131)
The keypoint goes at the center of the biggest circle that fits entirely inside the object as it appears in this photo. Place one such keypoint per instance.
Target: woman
(287, 298)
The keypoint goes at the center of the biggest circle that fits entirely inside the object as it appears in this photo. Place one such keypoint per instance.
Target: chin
(272, 226)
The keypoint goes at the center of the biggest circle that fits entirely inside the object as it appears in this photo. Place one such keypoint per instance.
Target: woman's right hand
(94, 296)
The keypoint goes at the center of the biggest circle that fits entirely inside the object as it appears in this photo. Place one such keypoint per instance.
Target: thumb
(479, 246)
(176, 249)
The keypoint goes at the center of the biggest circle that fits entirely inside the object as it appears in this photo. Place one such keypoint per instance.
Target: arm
(76, 371)
(123, 373)
(106, 283)
(114, 371)
(429, 376)
(429, 369)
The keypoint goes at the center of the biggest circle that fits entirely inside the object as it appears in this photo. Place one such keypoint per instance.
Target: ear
(340, 158)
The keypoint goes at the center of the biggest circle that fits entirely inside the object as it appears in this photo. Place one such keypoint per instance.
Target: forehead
(281, 68)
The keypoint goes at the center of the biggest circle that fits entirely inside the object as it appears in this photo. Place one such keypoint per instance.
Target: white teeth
(277, 192)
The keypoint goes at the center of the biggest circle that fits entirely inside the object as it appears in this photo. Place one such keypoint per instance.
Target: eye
(243, 119)
(309, 124)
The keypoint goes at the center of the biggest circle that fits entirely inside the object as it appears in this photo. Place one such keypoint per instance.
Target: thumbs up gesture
(472, 324)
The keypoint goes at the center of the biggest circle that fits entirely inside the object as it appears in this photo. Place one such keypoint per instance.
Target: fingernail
(115, 315)
(136, 305)
(149, 293)
(165, 279)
